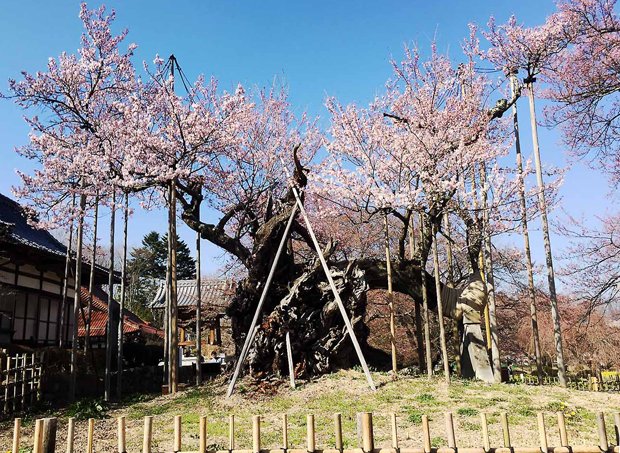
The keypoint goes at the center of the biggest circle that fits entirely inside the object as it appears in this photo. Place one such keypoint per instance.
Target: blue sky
(317, 48)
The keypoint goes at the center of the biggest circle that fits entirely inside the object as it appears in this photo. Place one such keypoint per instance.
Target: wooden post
(338, 432)
(70, 434)
(65, 285)
(390, 294)
(15, 382)
(602, 432)
(148, 432)
(505, 430)
(368, 441)
(450, 430)
(37, 446)
(121, 434)
(426, 434)
(310, 433)
(6, 387)
(486, 444)
(91, 433)
(562, 428)
(256, 434)
(121, 318)
(285, 432)
(17, 426)
(417, 309)
(425, 317)
(76, 301)
(198, 308)
(23, 373)
(231, 432)
(202, 442)
(394, 431)
(177, 433)
(542, 433)
(617, 426)
(33, 360)
(174, 327)
(442, 329)
(111, 325)
(49, 435)
(289, 356)
(91, 279)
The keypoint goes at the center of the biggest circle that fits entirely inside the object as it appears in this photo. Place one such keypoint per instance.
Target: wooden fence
(589, 382)
(20, 381)
(44, 438)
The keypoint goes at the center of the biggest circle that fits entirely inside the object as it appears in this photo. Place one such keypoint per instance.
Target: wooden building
(32, 266)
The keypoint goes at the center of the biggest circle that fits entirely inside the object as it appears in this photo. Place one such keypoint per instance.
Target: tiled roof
(99, 317)
(14, 227)
(216, 294)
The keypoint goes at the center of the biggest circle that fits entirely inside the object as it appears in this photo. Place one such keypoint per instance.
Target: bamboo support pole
(450, 430)
(289, 357)
(256, 434)
(121, 434)
(562, 429)
(426, 434)
(231, 432)
(602, 432)
(311, 436)
(442, 329)
(90, 435)
(425, 317)
(542, 433)
(70, 434)
(147, 435)
(486, 443)
(177, 433)
(202, 436)
(390, 294)
(368, 440)
(338, 432)
(111, 325)
(17, 427)
(37, 446)
(285, 432)
(394, 424)
(505, 430)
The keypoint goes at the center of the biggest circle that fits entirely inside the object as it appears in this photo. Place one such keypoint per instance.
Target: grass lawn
(346, 392)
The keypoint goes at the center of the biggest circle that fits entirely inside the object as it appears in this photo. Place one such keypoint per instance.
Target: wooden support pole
(17, 433)
(394, 431)
(505, 430)
(148, 433)
(562, 429)
(442, 329)
(368, 440)
(486, 444)
(311, 437)
(90, 435)
(256, 434)
(289, 356)
(542, 433)
(338, 432)
(602, 432)
(231, 432)
(6, 387)
(285, 432)
(426, 434)
(177, 433)
(617, 426)
(450, 430)
(202, 435)
(37, 446)
(390, 294)
(50, 426)
(70, 434)
(121, 434)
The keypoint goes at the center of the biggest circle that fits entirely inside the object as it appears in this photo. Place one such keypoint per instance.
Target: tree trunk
(76, 300)
(526, 235)
(555, 314)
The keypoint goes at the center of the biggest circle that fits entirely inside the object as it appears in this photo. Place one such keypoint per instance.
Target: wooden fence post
(122, 444)
(338, 431)
(394, 431)
(542, 433)
(617, 426)
(562, 428)
(505, 430)
(17, 427)
(368, 440)
(37, 446)
(426, 434)
(70, 434)
(49, 435)
(177, 433)
(90, 435)
(202, 443)
(602, 432)
(256, 434)
(6, 386)
(310, 433)
(285, 432)
(231, 432)
(486, 443)
(148, 432)
(450, 430)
